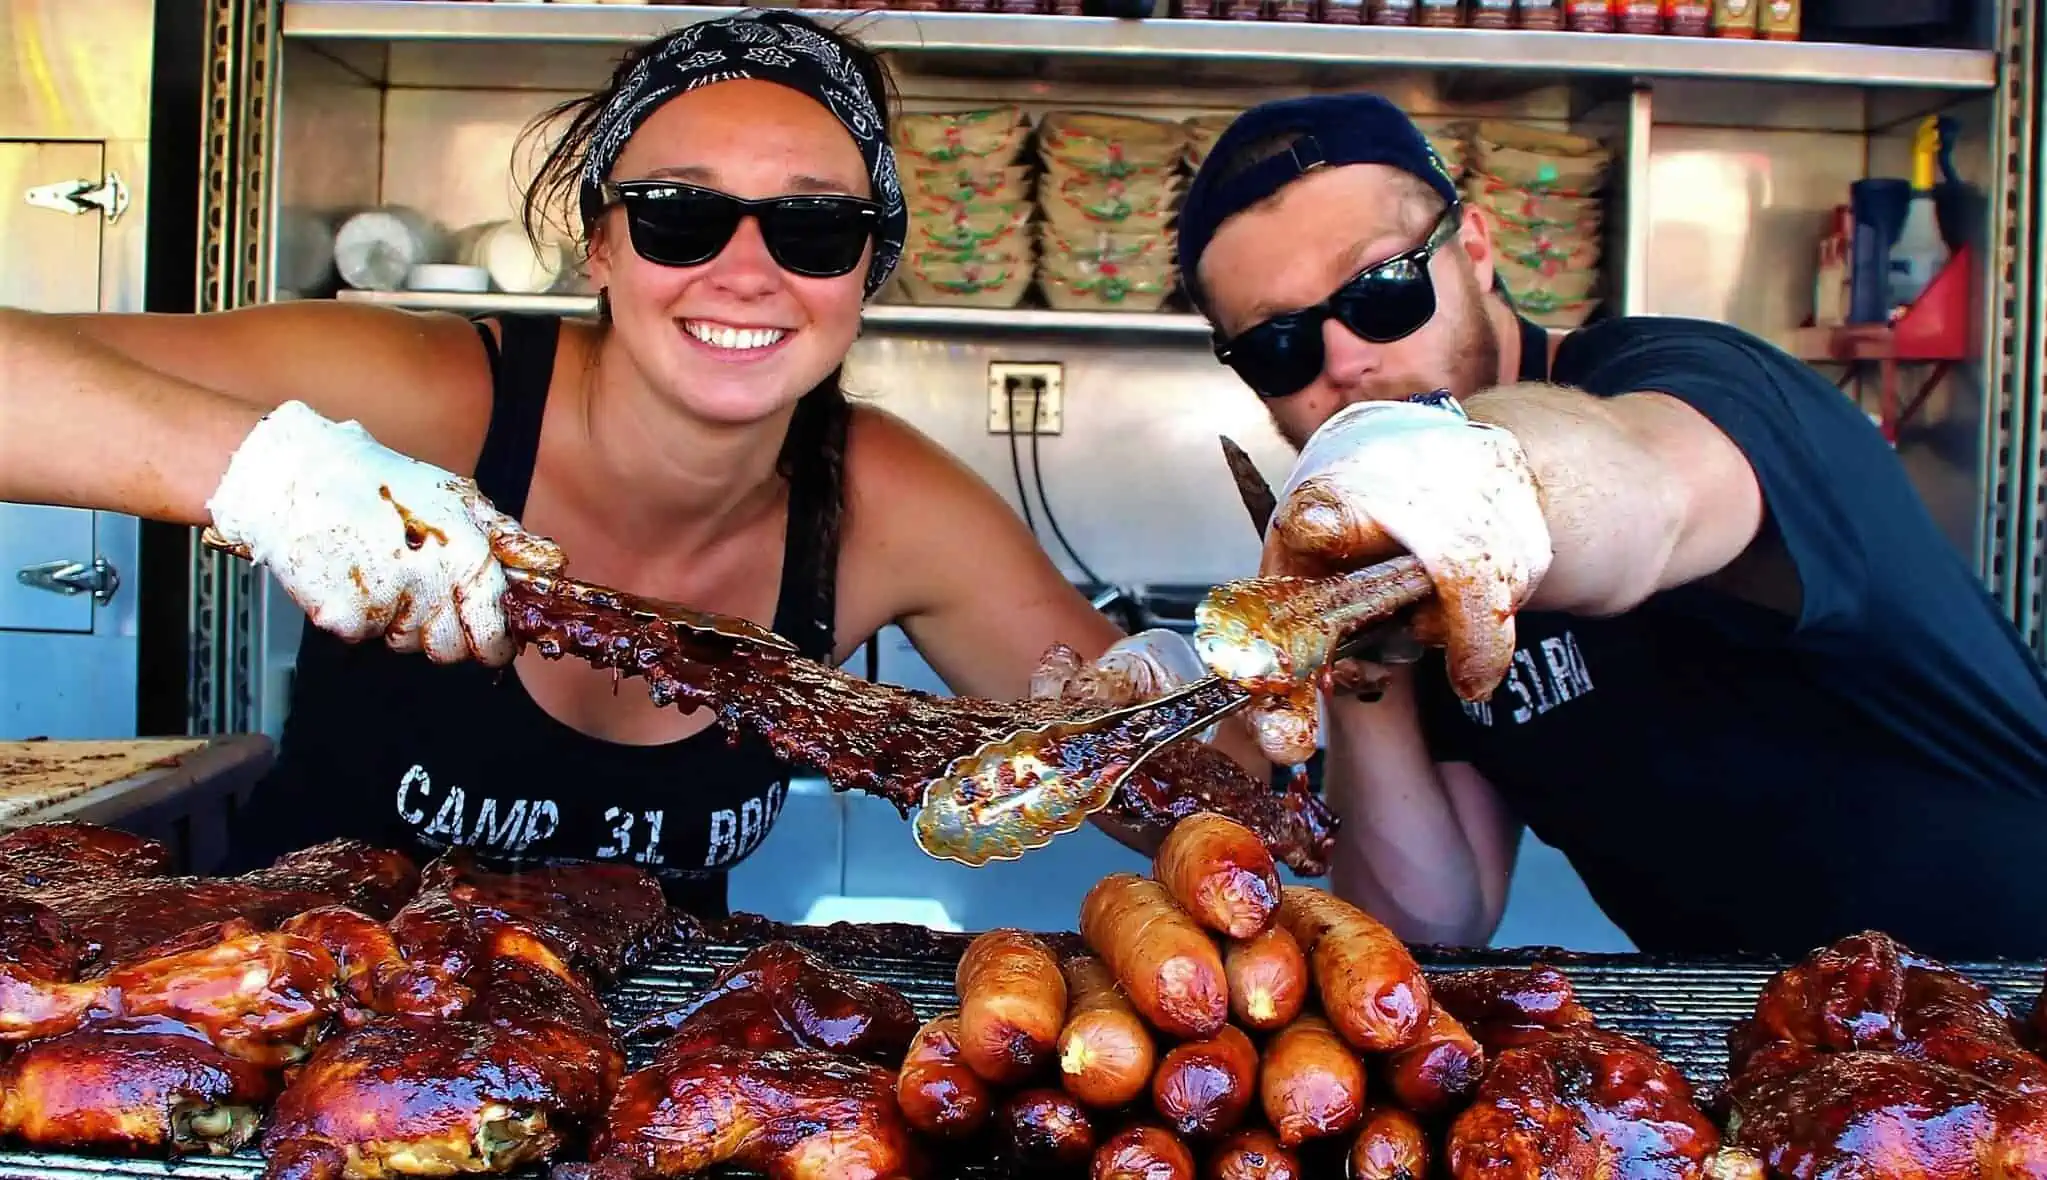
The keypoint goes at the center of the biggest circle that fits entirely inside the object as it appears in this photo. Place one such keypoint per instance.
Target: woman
(738, 202)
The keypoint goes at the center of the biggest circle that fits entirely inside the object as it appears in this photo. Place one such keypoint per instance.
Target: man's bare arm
(1641, 492)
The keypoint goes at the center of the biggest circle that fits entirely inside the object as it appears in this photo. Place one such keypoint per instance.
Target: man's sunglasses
(674, 224)
(1386, 301)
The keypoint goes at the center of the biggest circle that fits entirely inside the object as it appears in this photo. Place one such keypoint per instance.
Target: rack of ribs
(106, 889)
(1867, 1059)
(887, 740)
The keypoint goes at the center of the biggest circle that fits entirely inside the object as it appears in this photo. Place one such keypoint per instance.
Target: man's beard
(1472, 358)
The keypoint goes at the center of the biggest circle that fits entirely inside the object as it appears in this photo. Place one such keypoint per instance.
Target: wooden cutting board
(38, 775)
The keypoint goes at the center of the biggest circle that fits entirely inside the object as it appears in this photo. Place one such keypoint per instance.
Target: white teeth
(720, 336)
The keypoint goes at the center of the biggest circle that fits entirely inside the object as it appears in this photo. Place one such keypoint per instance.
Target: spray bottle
(1920, 250)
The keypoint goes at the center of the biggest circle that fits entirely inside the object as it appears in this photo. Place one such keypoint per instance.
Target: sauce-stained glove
(1135, 669)
(1380, 478)
(370, 542)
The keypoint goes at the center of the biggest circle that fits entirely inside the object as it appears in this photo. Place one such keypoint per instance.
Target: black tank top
(395, 750)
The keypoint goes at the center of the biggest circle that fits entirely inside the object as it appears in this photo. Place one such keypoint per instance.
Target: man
(1751, 690)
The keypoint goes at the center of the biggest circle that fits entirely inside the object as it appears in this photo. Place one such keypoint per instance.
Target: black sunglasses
(674, 224)
(1384, 302)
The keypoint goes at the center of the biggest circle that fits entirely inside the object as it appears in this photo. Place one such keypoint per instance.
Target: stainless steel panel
(1735, 216)
(1136, 42)
(74, 69)
(1771, 106)
(66, 686)
(1942, 445)
(67, 663)
(330, 158)
(448, 153)
(1637, 201)
(32, 535)
(62, 683)
(53, 258)
(1136, 479)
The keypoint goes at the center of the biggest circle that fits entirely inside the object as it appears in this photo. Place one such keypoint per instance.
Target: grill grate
(1683, 1006)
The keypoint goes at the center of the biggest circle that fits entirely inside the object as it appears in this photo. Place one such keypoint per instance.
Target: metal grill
(1683, 1006)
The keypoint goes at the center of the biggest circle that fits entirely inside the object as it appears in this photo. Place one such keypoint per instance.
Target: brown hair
(814, 447)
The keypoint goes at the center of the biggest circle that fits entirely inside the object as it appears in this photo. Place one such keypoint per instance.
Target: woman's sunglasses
(674, 224)
(1386, 301)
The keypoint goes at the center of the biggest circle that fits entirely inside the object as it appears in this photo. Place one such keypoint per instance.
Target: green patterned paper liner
(971, 283)
(962, 237)
(1109, 286)
(954, 149)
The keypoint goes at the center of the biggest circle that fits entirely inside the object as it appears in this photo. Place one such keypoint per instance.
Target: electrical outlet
(1010, 389)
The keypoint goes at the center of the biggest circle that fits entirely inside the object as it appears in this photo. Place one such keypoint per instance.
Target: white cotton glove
(1380, 478)
(370, 542)
(1135, 669)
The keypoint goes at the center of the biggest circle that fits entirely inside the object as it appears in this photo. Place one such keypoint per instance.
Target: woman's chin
(719, 400)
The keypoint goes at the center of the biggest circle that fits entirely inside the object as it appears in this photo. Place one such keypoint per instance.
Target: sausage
(1311, 1084)
(938, 1094)
(1268, 978)
(1012, 1004)
(1043, 1129)
(1252, 1154)
(1106, 1053)
(1439, 1071)
(1204, 1087)
(1167, 965)
(1220, 872)
(1143, 1153)
(1369, 985)
(1390, 1146)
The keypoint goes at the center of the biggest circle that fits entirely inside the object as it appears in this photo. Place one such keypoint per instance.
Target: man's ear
(1476, 240)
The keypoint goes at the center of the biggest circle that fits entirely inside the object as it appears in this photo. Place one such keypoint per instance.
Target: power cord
(1038, 476)
(1023, 496)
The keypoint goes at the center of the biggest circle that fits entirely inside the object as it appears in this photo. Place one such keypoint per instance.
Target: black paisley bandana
(747, 46)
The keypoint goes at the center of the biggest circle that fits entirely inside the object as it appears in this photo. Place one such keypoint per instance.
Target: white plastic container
(375, 250)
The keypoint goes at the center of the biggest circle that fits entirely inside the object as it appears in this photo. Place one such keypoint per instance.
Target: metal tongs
(1264, 644)
(642, 609)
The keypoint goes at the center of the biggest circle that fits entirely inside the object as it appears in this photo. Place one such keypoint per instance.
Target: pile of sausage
(1214, 1013)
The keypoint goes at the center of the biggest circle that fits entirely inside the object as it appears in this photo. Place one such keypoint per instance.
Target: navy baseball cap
(1325, 130)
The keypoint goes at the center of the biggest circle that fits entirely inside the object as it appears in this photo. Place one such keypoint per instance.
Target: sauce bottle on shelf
(1591, 16)
(1735, 18)
(1389, 12)
(1688, 18)
(1779, 20)
(1492, 14)
(1639, 17)
(1830, 278)
(1539, 14)
(1440, 14)
(1341, 12)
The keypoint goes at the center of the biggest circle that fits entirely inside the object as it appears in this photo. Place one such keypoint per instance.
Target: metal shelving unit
(1364, 47)
(883, 315)
(368, 80)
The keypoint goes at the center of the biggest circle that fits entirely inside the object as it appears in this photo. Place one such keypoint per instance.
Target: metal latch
(109, 196)
(71, 577)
